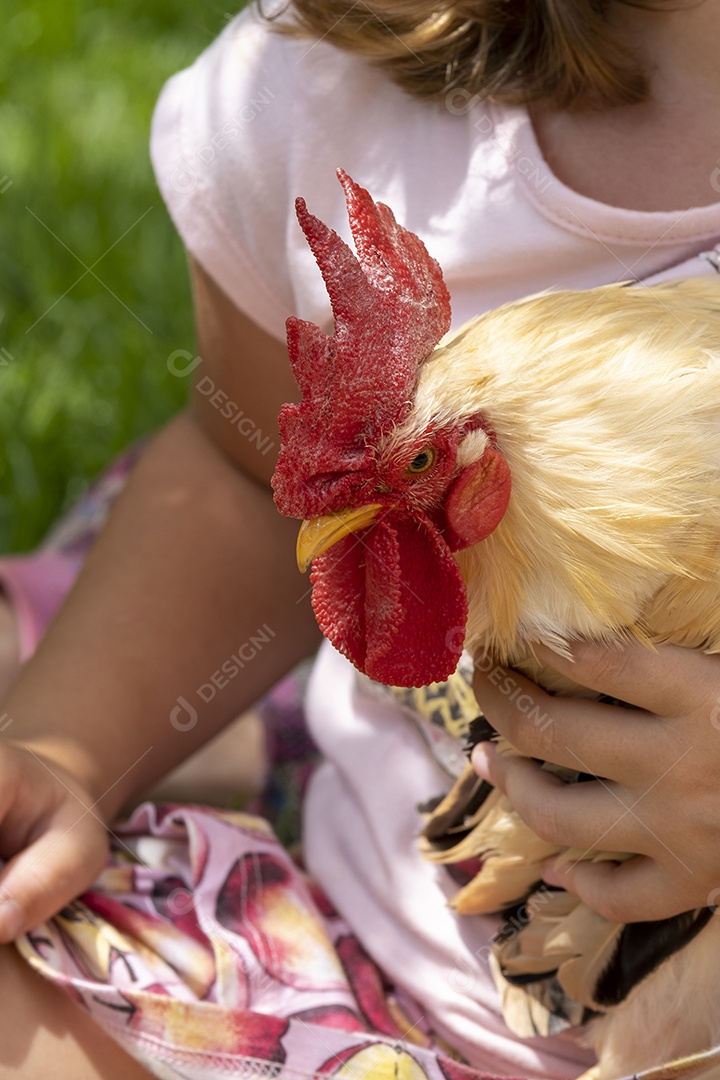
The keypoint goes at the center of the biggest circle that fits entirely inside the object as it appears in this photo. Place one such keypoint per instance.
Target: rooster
(550, 472)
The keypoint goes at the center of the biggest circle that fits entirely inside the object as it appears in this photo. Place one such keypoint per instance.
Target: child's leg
(44, 1034)
(9, 647)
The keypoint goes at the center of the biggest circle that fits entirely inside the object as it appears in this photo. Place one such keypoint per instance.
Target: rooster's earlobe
(477, 500)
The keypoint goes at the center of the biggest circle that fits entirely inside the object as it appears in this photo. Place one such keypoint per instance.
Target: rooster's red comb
(391, 307)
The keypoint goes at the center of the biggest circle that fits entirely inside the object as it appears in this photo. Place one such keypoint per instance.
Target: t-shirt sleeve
(220, 141)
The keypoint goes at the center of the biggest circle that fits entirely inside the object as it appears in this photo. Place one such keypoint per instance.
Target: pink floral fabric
(206, 951)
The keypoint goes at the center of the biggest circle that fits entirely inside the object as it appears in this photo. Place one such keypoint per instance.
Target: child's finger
(41, 879)
(578, 733)
(668, 681)
(585, 816)
(639, 890)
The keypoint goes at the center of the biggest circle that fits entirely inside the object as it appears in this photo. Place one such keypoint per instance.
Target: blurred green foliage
(82, 357)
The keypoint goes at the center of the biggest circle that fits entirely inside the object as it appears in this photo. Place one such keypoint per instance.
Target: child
(201, 948)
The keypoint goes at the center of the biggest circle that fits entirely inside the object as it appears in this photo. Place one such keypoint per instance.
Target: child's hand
(53, 840)
(660, 798)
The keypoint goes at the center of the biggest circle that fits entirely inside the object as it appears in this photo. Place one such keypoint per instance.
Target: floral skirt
(206, 951)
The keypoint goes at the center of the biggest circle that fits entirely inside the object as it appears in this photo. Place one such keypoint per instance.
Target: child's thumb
(37, 882)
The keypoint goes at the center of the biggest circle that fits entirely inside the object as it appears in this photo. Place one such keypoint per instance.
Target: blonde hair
(560, 52)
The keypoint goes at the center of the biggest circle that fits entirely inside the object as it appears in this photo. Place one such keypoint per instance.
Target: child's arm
(660, 766)
(193, 562)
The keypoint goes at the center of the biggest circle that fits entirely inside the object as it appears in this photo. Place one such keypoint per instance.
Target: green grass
(83, 371)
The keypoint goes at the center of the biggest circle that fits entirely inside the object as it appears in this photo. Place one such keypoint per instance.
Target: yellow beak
(318, 534)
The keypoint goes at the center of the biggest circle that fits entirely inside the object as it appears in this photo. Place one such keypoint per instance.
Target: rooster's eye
(422, 461)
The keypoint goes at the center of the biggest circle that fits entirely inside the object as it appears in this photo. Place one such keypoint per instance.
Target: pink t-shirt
(259, 119)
